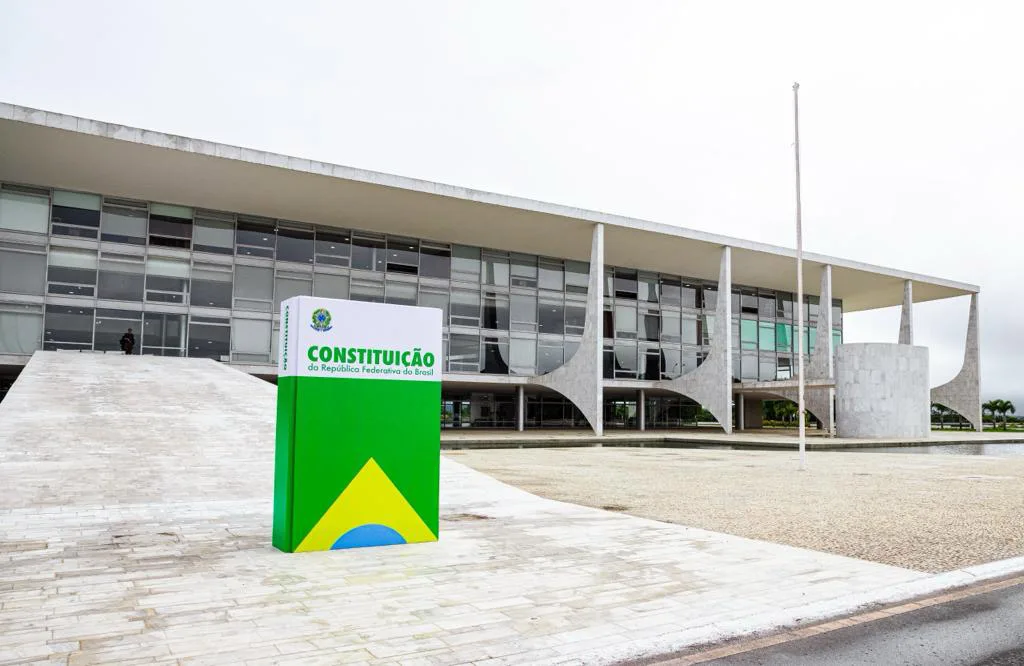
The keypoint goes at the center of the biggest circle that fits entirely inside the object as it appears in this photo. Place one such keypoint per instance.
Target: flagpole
(799, 283)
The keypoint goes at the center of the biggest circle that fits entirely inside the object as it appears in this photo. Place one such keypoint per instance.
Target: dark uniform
(128, 342)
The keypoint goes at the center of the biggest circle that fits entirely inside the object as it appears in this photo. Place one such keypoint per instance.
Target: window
(710, 298)
(365, 289)
(211, 286)
(75, 214)
(625, 322)
(750, 367)
(496, 311)
(689, 330)
(466, 263)
(254, 288)
(837, 315)
(625, 360)
(435, 298)
(766, 336)
(294, 245)
(333, 248)
(551, 317)
(577, 277)
(523, 359)
(625, 284)
(670, 327)
(250, 339)
(707, 329)
(671, 292)
(549, 356)
(255, 238)
(214, 233)
(608, 362)
(768, 368)
(465, 307)
(24, 209)
(552, 276)
(369, 253)
(748, 333)
(784, 306)
(495, 356)
(495, 269)
(329, 285)
(170, 226)
(435, 261)
(166, 280)
(124, 221)
(651, 326)
(650, 360)
(21, 328)
(209, 337)
(121, 278)
(524, 270)
(400, 293)
(68, 327)
(748, 303)
(648, 288)
(523, 312)
(690, 296)
(575, 316)
(671, 363)
(464, 353)
(22, 272)
(71, 272)
(163, 334)
(837, 338)
(112, 324)
(812, 339)
(403, 255)
(286, 286)
(784, 369)
(783, 337)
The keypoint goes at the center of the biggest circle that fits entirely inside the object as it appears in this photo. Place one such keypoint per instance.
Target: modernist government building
(555, 317)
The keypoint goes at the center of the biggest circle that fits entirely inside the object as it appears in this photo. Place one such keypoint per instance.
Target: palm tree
(1004, 406)
(940, 411)
(991, 406)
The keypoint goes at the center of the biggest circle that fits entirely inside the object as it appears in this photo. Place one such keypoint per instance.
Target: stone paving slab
(135, 516)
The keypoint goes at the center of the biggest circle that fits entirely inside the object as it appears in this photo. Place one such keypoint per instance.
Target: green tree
(992, 406)
(1004, 407)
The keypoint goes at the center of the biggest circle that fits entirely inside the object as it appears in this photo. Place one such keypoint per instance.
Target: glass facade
(77, 269)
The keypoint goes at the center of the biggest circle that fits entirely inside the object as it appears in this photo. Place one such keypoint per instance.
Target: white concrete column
(963, 393)
(641, 409)
(579, 379)
(520, 408)
(907, 314)
(742, 412)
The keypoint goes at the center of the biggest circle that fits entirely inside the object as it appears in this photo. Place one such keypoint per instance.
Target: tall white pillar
(742, 412)
(641, 409)
(520, 408)
(907, 314)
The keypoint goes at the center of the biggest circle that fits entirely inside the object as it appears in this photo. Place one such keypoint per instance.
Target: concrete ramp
(135, 518)
(101, 429)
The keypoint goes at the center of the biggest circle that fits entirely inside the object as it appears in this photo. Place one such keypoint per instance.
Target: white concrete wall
(882, 390)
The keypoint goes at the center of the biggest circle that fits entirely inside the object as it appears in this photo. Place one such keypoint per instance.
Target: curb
(667, 648)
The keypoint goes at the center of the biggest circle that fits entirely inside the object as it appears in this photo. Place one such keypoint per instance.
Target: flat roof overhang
(57, 150)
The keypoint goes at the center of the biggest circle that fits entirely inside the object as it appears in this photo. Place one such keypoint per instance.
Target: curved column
(711, 383)
(579, 378)
(963, 393)
(817, 401)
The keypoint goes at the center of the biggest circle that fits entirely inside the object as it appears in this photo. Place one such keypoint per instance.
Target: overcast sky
(912, 116)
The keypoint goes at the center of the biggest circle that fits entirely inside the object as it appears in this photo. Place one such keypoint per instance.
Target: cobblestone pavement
(926, 512)
(135, 513)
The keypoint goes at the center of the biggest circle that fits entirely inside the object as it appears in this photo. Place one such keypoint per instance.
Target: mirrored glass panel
(68, 327)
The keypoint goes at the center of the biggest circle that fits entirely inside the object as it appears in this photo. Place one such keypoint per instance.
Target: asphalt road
(982, 630)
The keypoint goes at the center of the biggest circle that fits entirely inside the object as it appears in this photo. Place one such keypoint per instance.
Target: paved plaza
(135, 515)
(925, 512)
